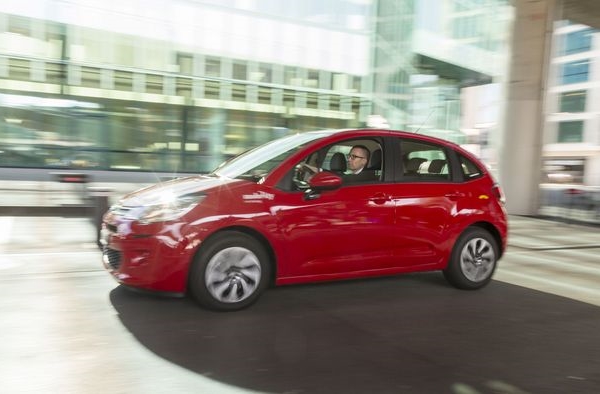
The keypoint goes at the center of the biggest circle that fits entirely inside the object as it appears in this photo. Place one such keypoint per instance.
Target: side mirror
(325, 181)
(320, 182)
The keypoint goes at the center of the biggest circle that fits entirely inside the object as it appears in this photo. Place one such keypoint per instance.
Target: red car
(288, 212)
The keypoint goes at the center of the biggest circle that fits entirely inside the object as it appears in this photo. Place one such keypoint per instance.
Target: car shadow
(412, 333)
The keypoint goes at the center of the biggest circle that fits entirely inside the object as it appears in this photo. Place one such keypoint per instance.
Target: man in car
(358, 158)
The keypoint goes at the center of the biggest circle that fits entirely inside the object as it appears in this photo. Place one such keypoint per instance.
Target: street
(69, 328)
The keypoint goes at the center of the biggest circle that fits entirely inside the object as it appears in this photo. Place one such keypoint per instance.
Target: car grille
(112, 258)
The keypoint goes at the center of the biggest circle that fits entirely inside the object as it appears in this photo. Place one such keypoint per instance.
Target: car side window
(470, 170)
(424, 162)
(336, 159)
(356, 161)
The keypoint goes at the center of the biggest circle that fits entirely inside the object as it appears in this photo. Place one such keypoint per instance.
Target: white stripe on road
(548, 261)
(590, 295)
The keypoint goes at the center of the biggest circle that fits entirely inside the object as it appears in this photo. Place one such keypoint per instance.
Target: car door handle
(380, 198)
(454, 195)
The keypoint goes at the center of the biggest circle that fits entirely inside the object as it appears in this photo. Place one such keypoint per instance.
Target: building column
(522, 139)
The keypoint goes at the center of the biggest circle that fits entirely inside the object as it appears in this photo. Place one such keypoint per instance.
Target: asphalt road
(67, 327)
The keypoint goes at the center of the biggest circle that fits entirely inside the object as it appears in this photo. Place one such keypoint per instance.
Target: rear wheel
(230, 272)
(473, 260)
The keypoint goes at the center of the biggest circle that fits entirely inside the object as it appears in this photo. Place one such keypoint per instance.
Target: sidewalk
(535, 233)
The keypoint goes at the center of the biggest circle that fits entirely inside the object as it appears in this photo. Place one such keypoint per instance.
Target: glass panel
(204, 145)
(19, 69)
(185, 61)
(424, 162)
(212, 67)
(140, 132)
(42, 132)
(154, 83)
(266, 72)
(573, 101)
(579, 41)
(574, 72)
(90, 77)
(470, 170)
(240, 70)
(571, 131)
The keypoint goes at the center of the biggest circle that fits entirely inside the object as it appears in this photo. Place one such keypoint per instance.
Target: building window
(240, 70)
(266, 72)
(212, 67)
(312, 79)
(574, 72)
(185, 61)
(291, 76)
(573, 101)
(571, 131)
(576, 42)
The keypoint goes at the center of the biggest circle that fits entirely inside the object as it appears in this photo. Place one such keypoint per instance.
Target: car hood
(177, 187)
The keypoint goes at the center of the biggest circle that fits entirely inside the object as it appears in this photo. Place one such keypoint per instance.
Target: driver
(357, 160)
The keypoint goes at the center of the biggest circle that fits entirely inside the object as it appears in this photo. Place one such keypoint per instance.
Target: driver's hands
(311, 168)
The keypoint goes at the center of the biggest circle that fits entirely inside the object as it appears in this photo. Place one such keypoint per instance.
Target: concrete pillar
(521, 150)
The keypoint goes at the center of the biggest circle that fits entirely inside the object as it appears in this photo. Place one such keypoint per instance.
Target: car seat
(436, 165)
(375, 163)
(413, 164)
(338, 163)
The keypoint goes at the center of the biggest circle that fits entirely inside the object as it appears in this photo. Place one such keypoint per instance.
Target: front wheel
(230, 272)
(473, 260)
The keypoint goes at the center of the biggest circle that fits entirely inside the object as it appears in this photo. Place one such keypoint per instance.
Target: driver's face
(357, 159)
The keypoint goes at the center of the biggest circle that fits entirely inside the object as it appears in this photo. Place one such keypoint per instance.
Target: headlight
(171, 207)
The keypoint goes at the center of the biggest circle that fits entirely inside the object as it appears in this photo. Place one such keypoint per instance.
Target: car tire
(473, 261)
(230, 272)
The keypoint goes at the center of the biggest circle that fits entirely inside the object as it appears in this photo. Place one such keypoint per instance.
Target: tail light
(498, 193)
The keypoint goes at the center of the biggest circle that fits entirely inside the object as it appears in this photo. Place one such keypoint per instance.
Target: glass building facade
(179, 86)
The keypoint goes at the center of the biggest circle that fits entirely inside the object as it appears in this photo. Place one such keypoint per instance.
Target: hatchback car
(288, 212)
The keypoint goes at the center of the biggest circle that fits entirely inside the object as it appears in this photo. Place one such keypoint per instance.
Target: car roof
(357, 132)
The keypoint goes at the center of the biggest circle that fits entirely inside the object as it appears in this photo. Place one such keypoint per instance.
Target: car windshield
(258, 162)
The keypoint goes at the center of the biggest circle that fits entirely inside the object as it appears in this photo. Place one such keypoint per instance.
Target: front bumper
(155, 261)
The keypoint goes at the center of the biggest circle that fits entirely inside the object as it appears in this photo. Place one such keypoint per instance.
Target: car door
(347, 229)
(426, 201)
(336, 231)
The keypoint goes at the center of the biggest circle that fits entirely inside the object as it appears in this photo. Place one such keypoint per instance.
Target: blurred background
(174, 87)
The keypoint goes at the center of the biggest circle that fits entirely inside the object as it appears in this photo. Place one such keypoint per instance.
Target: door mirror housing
(325, 180)
(320, 182)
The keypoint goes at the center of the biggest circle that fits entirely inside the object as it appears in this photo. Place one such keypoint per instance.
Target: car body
(421, 204)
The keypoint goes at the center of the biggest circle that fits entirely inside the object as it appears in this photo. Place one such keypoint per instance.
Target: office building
(179, 86)
(571, 139)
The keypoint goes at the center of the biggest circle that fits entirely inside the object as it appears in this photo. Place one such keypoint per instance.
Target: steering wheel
(302, 174)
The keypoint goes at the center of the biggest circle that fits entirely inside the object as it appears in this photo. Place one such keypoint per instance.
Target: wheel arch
(490, 228)
(252, 233)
